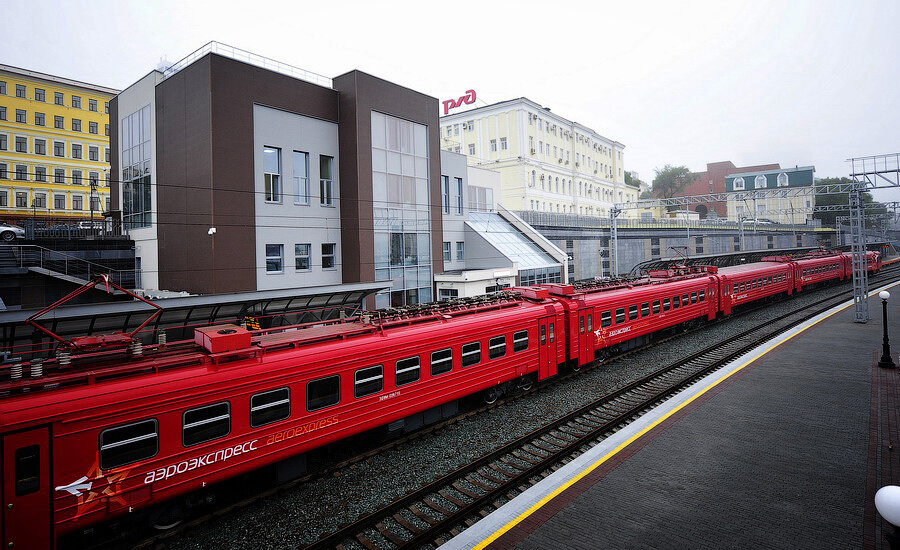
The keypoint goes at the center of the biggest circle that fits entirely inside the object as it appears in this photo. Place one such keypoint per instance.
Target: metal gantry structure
(867, 173)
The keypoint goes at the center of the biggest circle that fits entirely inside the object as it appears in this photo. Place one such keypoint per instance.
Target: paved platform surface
(782, 449)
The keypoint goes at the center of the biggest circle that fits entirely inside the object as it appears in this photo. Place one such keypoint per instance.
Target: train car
(873, 263)
(110, 434)
(818, 268)
(602, 317)
(741, 284)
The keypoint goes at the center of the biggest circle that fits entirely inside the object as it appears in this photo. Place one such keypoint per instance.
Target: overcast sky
(798, 83)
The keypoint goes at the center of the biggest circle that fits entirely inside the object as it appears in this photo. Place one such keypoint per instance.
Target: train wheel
(526, 383)
(491, 395)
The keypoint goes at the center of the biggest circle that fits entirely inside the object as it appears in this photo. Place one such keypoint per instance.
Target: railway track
(416, 512)
(444, 507)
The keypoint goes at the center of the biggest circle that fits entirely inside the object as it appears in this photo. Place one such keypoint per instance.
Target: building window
(106, 107)
(106, 155)
(77, 202)
(92, 105)
(93, 178)
(59, 175)
(301, 177)
(39, 94)
(2, 88)
(20, 115)
(3, 171)
(59, 202)
(58, 98)
(301, 256)
(759, 182)
(4, 143)
(782, 180)
(94, 154)
(76, 151)
(448, 293)
(4, 197)
(21, 199)
(59, 148)
(20, 90)
(328, 255)
(503, 146)
(445, 193)
(40, 173)
(458, 198)
(326, 180)
(21, 144)
(136, 162)
(40, 200)
(92, 127)
(493, 145)
(460, 251)
(76, 125)
(40, 146)
(106, 130)
(272, 174)
(59, 123)
(2, 113)
(39, 119)
(738, 184)
(274, 258)
(76, 177)
(447, 251)
(76, 102)
(472, 149)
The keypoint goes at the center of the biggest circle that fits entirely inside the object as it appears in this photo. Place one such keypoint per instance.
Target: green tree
(632, 181)
(829, 218)
(671, 180)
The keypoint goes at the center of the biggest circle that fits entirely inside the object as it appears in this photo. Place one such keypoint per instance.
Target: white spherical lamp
(884, 294)
(887, 502)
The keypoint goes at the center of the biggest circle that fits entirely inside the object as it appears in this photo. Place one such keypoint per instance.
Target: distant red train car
(873, 262)
(742, 284)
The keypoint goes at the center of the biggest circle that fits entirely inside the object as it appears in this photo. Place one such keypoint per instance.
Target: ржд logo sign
(468, 99)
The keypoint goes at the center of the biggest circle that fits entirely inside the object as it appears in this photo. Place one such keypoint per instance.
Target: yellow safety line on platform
(536, 506)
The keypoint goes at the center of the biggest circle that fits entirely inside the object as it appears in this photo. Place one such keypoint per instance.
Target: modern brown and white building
(240, 173)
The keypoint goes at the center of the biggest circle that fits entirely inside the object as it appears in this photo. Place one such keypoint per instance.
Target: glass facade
(136, 162)
(402, 218)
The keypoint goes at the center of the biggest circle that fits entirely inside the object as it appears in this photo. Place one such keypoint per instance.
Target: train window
(552, 332)
(685, 299)
(129, 443)
(645, 309)
(676, 302)
(497, 345)
(520, 340)
(441, 361)
(620, 315)
(770, 280)
(656, 306)
(543, 337)
(271, 406)
(471, 353)
(606, 319)
(590, 323)
(701, 295)
(368, 381)
(407, 371)
(667, 304)
(632, 313)
(735, 288)
(581, 324)
(693, 297)
(324, 392)
(28, 470)
(206, 423)
(753, 283)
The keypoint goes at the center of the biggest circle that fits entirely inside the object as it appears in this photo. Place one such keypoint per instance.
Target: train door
(27, 516)
(585, 336)
(548, 341)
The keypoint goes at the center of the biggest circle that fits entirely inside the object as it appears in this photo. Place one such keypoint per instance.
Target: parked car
(11, 232)
(765, 221)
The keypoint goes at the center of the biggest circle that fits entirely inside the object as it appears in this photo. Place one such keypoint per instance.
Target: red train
(108, 430)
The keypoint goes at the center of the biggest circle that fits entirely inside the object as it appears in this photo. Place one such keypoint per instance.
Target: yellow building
(54, 146)
(547, 163)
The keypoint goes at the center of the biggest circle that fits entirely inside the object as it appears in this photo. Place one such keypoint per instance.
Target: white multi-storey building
(547, 163)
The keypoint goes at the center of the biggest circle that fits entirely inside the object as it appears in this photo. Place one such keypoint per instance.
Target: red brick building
(713, 181)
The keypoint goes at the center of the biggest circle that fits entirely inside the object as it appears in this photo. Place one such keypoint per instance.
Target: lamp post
(885, 361)
(887, 502)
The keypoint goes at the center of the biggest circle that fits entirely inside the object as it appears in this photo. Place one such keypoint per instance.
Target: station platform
(783, 448)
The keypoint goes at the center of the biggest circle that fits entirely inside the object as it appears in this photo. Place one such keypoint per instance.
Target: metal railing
(877, 164)
(592, 222)
(247, 57)
(33, 256)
